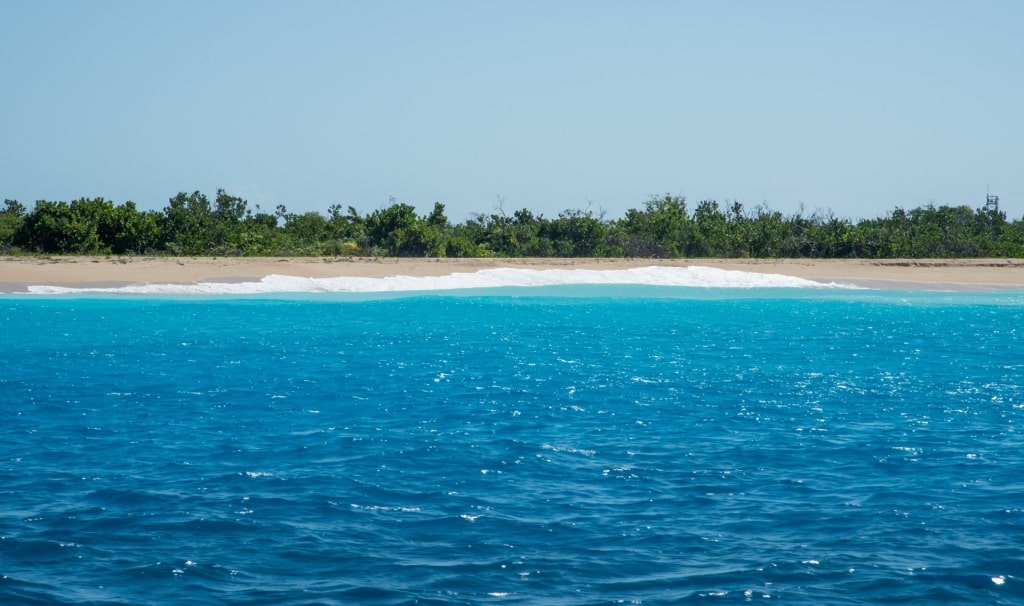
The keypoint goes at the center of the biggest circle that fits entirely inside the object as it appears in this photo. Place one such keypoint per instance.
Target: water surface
(557, 445)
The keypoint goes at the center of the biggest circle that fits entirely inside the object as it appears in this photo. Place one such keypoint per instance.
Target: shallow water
(557, 445)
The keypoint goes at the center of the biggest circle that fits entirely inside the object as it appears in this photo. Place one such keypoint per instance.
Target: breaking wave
(701, 277)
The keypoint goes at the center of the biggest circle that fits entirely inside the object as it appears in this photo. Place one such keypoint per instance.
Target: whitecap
(692, 276)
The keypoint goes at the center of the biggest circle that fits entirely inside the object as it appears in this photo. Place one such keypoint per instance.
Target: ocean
(512, 438)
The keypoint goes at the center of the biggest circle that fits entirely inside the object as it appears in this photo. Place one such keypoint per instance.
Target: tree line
(663, 227)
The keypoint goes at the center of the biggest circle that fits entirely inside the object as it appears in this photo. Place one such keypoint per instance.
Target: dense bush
(662, 227)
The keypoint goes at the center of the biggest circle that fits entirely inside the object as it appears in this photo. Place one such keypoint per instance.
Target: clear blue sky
(856, 106)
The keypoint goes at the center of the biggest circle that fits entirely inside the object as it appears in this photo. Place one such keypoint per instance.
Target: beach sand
(16, 273)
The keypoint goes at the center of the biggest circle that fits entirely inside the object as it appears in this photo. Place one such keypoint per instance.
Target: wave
(693, 276)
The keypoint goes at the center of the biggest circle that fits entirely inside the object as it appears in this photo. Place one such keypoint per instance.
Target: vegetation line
(662, 228)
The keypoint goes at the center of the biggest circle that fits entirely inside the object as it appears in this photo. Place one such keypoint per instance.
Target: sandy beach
(17, 273)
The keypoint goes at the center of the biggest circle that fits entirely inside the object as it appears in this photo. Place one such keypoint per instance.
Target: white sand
(16, 273)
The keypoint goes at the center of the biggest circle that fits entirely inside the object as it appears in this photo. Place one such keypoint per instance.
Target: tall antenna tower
(991, 202)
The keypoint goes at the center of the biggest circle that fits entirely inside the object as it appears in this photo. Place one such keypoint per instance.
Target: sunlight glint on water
(842, 447)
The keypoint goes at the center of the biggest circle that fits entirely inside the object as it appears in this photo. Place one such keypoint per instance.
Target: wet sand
(17, 273)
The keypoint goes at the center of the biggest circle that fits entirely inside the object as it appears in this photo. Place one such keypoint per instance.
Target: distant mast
(991, 202)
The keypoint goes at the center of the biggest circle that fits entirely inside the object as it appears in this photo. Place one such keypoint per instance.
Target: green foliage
(662, 227)
(393, 231)
(87, 226)
(827, 236)
(61, 227)
(11, 216)
(128, 231)
(396, 231)
(187, 226)
(521, 235)
(711, 231)
(576, 234)
(946, 231)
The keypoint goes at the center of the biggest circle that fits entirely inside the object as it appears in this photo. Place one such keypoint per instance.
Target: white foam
(693, 276)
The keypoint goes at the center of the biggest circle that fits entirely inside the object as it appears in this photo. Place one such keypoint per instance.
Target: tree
(11, 216)
(59, 227)
(228, 224)
(712, 236)
(188, 224)
(830, 237)
(306, 233)
(661, 229)
(126, 230)
(576, 233)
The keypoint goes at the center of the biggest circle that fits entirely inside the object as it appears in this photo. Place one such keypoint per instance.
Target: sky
(853, 108)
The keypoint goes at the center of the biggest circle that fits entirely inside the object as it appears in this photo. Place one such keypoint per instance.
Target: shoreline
(17, 273)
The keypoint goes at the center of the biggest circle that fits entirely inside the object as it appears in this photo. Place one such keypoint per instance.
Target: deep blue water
(657, 446)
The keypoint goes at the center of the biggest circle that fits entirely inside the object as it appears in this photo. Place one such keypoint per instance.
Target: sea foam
(694, 276)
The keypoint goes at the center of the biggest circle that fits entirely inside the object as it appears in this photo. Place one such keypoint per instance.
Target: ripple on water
(512, 449)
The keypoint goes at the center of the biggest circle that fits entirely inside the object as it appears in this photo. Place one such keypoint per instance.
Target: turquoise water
(556, 445)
